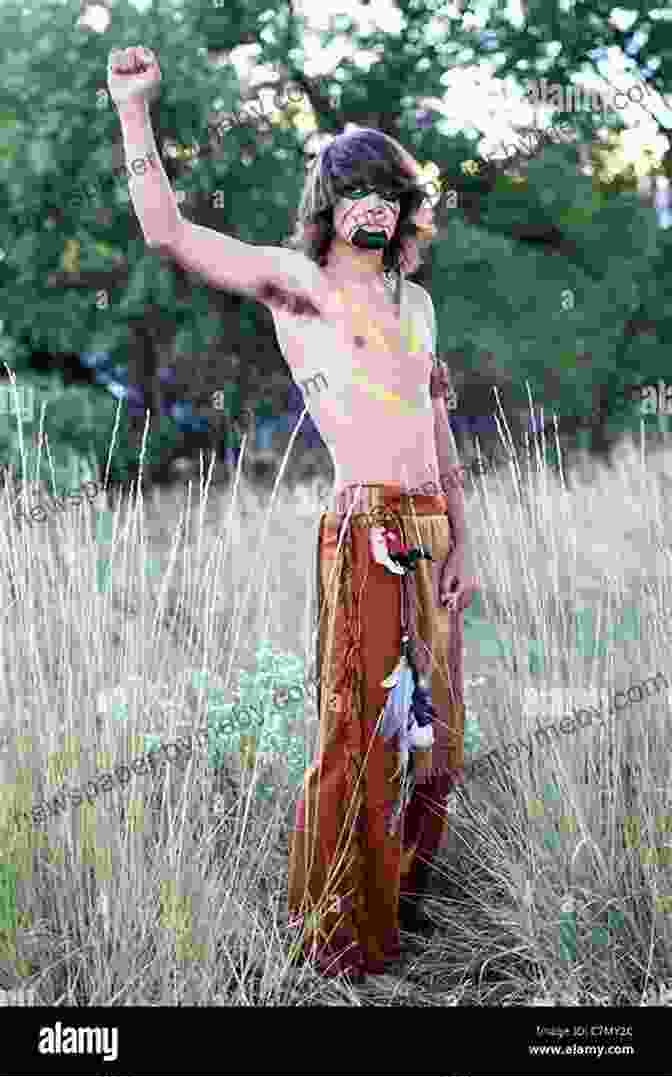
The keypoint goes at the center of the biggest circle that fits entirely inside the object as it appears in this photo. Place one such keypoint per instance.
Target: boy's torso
(365, 382)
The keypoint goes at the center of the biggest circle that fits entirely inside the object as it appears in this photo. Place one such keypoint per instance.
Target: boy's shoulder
(419, 299)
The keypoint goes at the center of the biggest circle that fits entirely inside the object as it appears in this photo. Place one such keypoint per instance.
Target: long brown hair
(364, 157)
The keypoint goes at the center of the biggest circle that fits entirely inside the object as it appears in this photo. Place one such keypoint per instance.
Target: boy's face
(366, 217)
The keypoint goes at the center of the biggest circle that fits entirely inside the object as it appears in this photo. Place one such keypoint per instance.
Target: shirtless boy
(390, 576)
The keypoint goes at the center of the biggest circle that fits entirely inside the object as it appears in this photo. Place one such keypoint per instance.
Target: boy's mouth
(366, 237)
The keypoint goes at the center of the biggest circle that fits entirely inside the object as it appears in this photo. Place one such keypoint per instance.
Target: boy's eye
(355, 193)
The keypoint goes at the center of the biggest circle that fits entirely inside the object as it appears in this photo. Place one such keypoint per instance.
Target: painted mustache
(380, 224)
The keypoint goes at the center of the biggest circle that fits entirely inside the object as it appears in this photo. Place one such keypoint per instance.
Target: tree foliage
(542, 276)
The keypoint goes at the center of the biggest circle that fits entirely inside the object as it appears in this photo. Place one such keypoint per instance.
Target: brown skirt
(346, 871)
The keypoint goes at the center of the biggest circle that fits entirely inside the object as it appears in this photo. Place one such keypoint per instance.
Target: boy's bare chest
(368, 345)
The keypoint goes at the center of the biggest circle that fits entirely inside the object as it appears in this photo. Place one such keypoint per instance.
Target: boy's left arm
(450, 470)
(456, 590)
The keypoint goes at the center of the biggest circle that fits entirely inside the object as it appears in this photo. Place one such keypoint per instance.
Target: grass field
(171, 887)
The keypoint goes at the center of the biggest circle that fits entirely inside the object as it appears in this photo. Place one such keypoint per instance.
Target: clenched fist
(133, 76)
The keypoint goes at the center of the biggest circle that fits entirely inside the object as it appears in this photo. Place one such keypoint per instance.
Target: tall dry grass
(172, 889)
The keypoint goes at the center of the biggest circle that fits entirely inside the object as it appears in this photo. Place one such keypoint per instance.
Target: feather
(398, 704)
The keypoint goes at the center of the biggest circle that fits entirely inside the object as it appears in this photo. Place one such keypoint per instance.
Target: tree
(557, 276)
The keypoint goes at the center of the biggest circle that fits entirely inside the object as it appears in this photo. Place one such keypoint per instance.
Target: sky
(473, 99)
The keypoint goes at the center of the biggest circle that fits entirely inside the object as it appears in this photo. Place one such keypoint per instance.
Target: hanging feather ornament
(409, 712)
(397, 712)
(408, 715)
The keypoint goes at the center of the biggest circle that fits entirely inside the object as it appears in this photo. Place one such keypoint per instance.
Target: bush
(259, 720)
(78, 425)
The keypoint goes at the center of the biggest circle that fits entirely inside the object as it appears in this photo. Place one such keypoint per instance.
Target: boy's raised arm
(279, 278)
(223, 261)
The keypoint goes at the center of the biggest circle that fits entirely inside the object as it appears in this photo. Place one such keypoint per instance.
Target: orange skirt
(346, 871)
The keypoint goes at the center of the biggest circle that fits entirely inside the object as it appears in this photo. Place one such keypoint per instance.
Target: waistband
(375, 499)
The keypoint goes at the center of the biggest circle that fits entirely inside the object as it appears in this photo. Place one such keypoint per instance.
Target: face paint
(366, 218)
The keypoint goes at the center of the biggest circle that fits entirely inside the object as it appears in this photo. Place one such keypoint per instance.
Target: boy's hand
(456, 591)
(133, 76)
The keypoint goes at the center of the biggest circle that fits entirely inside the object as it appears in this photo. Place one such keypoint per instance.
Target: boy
(361, 341)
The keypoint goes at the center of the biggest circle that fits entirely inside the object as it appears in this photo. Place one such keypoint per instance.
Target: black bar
(212, 1040)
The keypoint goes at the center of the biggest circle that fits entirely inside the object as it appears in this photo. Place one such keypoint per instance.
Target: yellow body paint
(359, 375)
